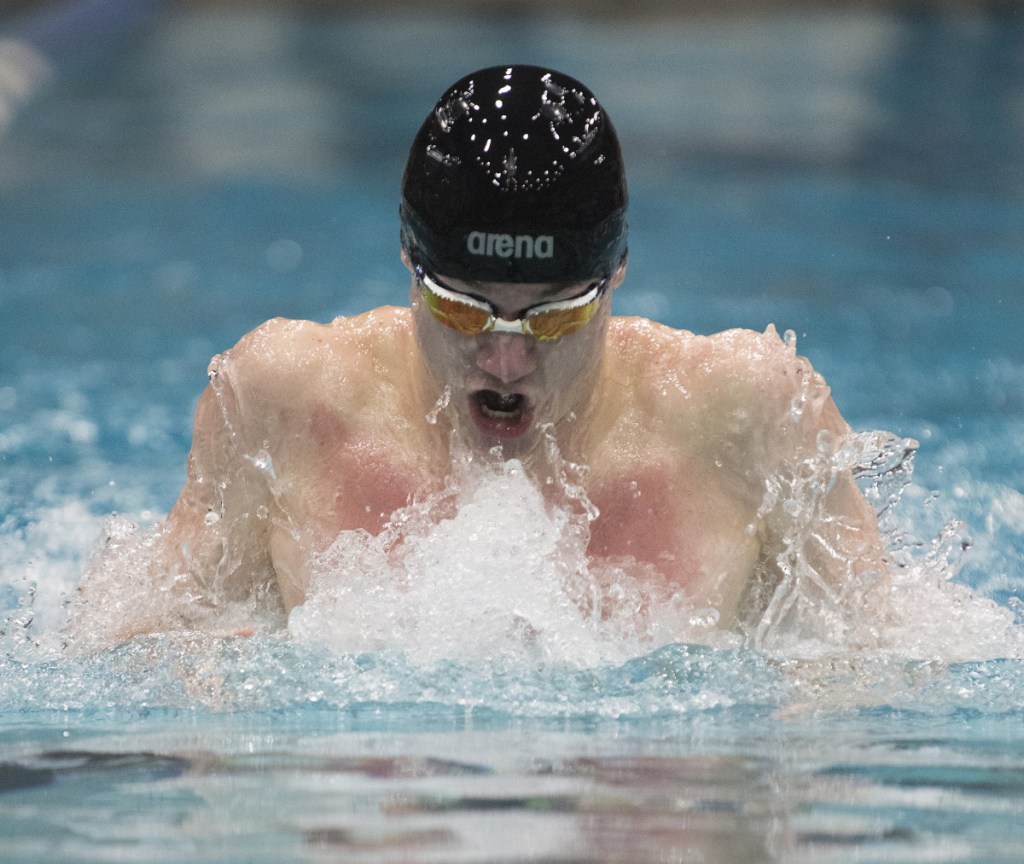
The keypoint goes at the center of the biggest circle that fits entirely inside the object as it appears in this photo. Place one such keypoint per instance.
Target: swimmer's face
(505, 386)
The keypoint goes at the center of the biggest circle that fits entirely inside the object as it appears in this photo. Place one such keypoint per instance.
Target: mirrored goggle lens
(556, 323)
(471, 317)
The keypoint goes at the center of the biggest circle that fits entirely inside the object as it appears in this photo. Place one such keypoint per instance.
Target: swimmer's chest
(676, 512)
(356, 476)
(682, 516)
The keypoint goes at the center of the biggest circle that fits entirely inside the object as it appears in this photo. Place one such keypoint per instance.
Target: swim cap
(515, 176)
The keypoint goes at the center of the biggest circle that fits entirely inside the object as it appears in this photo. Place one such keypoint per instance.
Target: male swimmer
(698, 450)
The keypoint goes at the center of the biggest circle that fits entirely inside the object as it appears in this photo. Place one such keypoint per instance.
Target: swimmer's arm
(243, 423)
(821, 538)
(846, 546)
(216, 536)
(175, 576)
(210, 551)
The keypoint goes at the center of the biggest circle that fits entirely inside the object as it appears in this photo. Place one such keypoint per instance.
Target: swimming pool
(853, 176)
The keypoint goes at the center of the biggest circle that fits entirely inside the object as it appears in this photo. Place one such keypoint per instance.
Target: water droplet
(264, 463)
(439, 406)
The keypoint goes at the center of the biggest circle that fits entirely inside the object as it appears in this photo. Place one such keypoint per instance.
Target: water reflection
(385, 798)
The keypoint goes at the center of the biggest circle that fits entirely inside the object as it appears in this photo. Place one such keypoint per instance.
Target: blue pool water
(170, 178)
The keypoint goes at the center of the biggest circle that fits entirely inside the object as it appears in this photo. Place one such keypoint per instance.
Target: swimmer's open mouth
(503, 415)
(500, 406)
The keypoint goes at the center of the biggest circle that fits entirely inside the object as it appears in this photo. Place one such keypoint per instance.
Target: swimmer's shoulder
(736, 383)
(647, 352)
(367, 331)
(739, 356)
(285, 357)
(641, 340)
(642, 346)
(766, 367)
(653, 368)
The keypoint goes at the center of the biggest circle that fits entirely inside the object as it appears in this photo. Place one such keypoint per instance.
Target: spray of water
(911, 609)
(485, 586)
(489, 567)
(504, 577)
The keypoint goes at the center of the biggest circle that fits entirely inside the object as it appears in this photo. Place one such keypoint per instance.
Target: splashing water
(484, 594)
(914, 609)
(504, 578)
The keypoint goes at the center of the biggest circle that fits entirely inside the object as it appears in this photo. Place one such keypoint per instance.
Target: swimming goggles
(472, 316)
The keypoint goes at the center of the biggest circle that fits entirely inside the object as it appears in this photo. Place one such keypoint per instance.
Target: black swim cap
(516, 176)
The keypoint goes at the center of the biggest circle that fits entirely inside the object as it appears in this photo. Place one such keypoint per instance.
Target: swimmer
(514, 232)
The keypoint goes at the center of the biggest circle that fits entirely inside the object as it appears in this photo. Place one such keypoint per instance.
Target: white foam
(41, 563)
(504, 576)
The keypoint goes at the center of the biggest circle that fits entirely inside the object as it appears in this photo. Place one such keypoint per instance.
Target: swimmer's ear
(406, 260)
(619, 274)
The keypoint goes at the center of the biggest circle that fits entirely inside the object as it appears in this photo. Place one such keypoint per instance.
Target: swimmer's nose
(506, 356)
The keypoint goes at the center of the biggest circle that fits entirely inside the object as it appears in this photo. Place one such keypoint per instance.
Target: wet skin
(307, 430)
